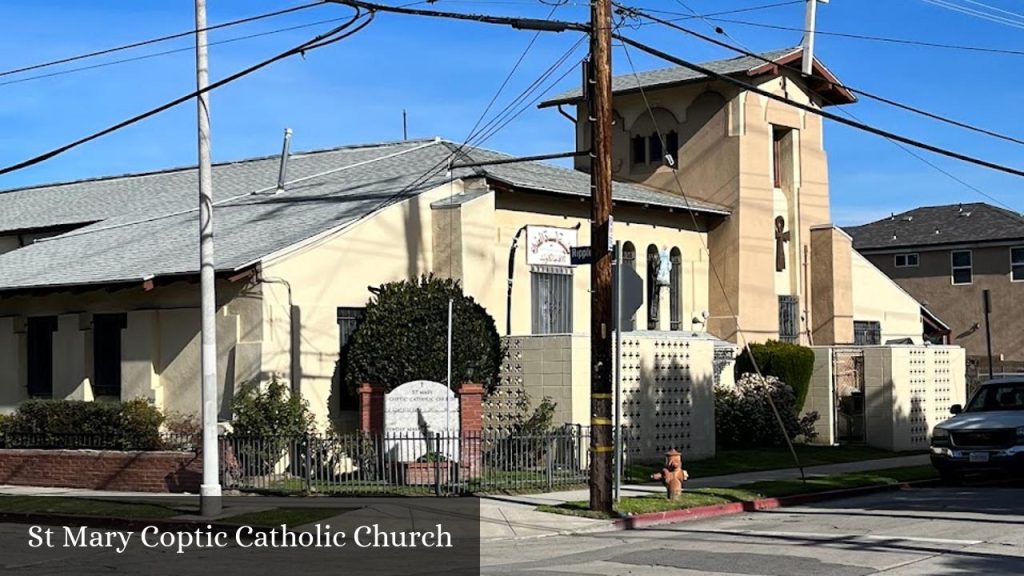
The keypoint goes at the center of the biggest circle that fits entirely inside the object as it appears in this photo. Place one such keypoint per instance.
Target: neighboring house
(104, 302)
(946, 256)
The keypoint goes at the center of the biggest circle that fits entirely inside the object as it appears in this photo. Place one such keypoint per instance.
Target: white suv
(988, 435)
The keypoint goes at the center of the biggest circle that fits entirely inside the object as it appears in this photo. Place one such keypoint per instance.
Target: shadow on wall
(673, 410)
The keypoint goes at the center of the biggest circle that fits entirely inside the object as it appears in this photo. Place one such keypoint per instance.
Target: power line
(711, 260)
(634, 11)
(167, 52)
(976, 13)
(890, 40)
(899, 145)
(335, 35)
(160, 39)
(812, 110)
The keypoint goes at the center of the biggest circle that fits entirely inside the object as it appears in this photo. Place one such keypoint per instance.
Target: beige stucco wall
(877, 298)
(160, 344)
(960, 306)
(305, 286)
(832, 281)
(642, 227)
(725, 157)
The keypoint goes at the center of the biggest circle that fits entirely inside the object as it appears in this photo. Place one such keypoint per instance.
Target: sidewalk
(524, 521)
(501, 517)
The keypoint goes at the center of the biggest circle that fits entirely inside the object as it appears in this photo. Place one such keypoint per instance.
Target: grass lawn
(749, 492)
(86, 507)
(292, 517)
(758, 459)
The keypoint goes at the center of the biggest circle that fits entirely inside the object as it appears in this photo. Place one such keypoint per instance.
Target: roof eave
(514, 187)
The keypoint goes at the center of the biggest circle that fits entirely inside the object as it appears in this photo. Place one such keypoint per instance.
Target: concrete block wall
(909, 390)
(821, 396)
(539, 367)
(668, 396)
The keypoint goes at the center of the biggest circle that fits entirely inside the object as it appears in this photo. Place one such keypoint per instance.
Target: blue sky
(444, 74)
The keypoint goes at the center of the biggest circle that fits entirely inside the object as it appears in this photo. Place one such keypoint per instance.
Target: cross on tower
(781, 237)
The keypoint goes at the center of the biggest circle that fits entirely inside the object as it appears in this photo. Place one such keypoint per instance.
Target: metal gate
(848, 387)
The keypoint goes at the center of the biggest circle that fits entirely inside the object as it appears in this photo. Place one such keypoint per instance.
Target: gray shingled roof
(548, 178)
(145, 225)
(675, 75)
(938, 225)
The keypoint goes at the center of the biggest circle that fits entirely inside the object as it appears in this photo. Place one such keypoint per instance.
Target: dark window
(1017, 264)
(789, 319)
(106, 354)
(657, 155)
(348, 320)
(675, 290)
(963, 272)
(552, 299)
(867, 333)
(40, 356)
(629, 261)
(672, 147)
(653, 302)
(639, 150)
(907, 260)
(778, 135)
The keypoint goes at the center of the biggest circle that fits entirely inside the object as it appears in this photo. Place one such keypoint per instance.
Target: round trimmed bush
(744, 416)
(404, 337)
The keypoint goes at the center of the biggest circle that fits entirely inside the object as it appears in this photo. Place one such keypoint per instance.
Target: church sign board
(550, 246)
(414, 413)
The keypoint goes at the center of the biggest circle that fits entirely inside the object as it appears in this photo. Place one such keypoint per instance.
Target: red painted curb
(716, 510)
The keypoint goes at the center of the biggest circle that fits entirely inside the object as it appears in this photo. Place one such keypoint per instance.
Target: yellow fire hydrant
(672, 475)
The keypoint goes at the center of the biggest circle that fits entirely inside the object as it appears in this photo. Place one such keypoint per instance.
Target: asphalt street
(927, 531)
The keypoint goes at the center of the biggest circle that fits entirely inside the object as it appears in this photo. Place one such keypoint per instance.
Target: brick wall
(103, 470)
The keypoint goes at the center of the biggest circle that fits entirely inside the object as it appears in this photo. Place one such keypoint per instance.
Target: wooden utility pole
(210, 490)
(599, 104)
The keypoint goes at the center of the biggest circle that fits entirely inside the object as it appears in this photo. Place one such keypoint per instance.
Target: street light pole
(210, 490)
(599, 101)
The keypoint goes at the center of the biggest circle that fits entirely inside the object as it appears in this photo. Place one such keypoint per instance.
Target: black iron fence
(352, 464)
(414, 464)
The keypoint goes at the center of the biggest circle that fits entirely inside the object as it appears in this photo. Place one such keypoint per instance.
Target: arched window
(675, 290)
(672, 147)
(639, 146)
(653, 261)
(657, 154)
(629, 261)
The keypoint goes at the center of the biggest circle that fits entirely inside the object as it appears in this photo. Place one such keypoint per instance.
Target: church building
(721, 205)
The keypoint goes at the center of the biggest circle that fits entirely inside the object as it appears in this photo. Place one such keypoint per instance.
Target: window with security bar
(551, 299)
(675, 291)
(789, 319)
(867, 333)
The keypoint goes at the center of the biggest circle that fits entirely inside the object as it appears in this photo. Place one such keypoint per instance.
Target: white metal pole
(618, 370)
(447, 417)
(210, 490)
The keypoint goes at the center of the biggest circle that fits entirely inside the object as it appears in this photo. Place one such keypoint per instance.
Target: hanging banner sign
(549, 246)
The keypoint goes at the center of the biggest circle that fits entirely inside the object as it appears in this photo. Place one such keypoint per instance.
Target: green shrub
(132, 425)
(404, 337)
(791, 363)
(271, 421)
(270, 410)
(744, 417)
